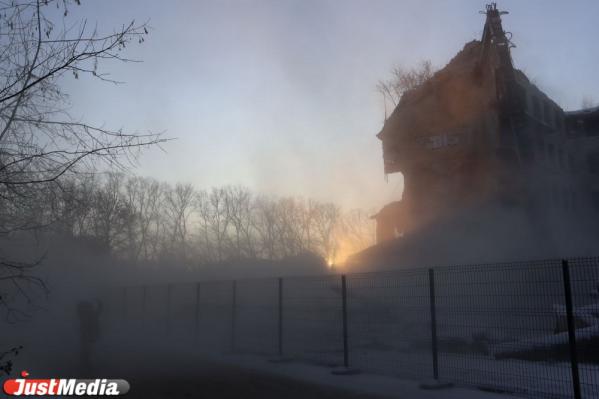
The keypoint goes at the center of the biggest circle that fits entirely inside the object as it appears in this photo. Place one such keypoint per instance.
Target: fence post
(233, 315)
(432, 301)
(344, 316)
(571, 330)
(168, 309)
(143, 306)
(197, 313)
(125, 303)
(280, 333)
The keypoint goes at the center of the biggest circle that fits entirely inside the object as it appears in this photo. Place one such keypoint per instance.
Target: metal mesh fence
(215, 320)
(114, 299)
(154, 315)
(526, 327)
(493, 322)
(584, 274)
(256, 310)
(388, 320)
(312, 319)
(180, 318)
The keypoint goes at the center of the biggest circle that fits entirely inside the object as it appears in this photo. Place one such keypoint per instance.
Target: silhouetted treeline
(140, 219)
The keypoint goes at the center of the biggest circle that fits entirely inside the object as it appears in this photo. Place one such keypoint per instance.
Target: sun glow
(345, 249)
(354, 234)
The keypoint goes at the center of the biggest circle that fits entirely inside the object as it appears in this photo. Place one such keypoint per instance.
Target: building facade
(479, 135)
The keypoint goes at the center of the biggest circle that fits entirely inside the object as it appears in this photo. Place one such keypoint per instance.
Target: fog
(350, 186)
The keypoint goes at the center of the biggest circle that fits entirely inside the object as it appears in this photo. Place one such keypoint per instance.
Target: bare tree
(112, 214)
(326, 220)
(40, 142)
(146, 195)
(403, 80)
(289, 229)
(179, 205)
(239, 205)
(264, 225)
(205, 250)
(356, 232)
(218, 222)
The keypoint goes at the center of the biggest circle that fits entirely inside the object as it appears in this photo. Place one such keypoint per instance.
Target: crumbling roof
(465, 60)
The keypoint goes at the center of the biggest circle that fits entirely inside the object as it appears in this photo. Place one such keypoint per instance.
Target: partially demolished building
(479, 139)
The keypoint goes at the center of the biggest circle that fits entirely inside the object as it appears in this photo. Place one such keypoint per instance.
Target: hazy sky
(280, 95)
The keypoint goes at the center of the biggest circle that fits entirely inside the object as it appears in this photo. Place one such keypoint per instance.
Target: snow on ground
(363, 383)
(179, 355)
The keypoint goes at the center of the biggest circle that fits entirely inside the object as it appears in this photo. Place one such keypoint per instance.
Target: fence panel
(389, 323)
(585, 297)
(216, 316)
(181, 317)
(496, 327)
(113, 312)
(256, 325)
(312, 319)
(156, 313)
(134, 306)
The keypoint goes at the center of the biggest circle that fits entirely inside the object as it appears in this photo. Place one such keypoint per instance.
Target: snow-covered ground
(362, 383)
(180, 355)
